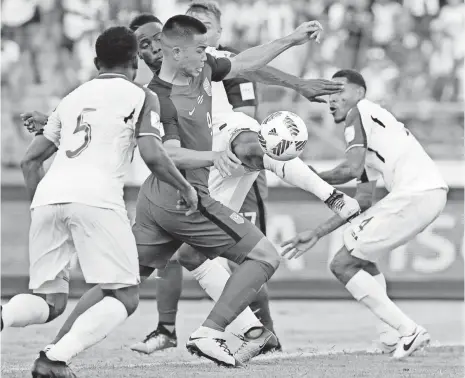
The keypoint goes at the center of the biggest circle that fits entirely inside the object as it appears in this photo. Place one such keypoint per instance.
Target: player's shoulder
(353, 115)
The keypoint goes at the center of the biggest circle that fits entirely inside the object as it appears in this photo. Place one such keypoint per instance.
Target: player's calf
(28, 309)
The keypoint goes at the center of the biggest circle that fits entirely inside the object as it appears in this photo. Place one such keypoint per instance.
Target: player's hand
(189, 199)
(313, 88)
(226, 162)
(311, 30)
(299, 244)
(34, 121)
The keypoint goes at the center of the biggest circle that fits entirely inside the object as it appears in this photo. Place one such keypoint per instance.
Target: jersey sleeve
(52, 130)
(169, 119)
(149, 123)
(220, 67)
(354, 133)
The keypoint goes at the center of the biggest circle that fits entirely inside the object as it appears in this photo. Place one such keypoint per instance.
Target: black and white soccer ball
(283, 135)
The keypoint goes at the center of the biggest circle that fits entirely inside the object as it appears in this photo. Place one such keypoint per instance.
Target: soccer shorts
(253, 208)
(101, 238)
(214, 230)
(392, 222)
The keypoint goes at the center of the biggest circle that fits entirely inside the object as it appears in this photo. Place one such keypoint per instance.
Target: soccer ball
(283, 135)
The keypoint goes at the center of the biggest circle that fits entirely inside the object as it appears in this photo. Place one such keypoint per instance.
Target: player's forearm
(272, 76)
(257, 57)
(330, 225)
(341, 174)
(164, 169)
(33, 173)
(184, 158)
(297, 173)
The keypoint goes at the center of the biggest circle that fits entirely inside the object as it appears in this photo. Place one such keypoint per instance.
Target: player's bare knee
(265, 251)
(57, 304)
(129, 297)
(190, 258)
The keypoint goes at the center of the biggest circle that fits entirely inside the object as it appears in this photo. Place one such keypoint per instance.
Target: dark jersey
(186, 116)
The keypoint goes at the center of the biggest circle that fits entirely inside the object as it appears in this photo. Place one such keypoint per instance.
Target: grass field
(320, 339)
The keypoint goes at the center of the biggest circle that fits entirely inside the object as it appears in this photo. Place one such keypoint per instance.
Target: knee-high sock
(89, 328)
(365, 289)
(212, 277)
(25, 309)
(169, 287)
(385, 331)
(240, 290)
(261, 308)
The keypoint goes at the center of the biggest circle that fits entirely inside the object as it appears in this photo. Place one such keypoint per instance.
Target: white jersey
(232, 191)
(393, 153)
(95, 129)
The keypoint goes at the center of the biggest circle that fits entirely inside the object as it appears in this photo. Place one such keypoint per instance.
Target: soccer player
(378, 146)
(184, 89)
(78, 206)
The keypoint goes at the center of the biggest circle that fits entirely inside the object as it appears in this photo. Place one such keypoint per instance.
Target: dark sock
(240, 290)
(168, 329)
(261, 307)
(90, 298)
(169, 287)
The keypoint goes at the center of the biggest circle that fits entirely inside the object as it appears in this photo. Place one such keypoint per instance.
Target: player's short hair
(205, 7)
(183, 27)
(116, 46)
(142, 19)
(352, 76)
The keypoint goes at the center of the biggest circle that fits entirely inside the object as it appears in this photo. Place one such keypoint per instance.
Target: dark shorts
(253, 208)
(214, 230)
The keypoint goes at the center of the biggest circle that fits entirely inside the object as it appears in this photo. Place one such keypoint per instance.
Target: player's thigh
(392, 222)
(214, 230)
(105, 245)
(189, 257)
(50, 250)
(155, 246)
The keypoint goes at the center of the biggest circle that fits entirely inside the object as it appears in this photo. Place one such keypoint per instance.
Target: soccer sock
(384, 330)
(89, 328)
(261, 308)
(240, 290)
(25, 309)
(212, 277)
(364, 288)
(297, 173)
(90, 298)
(169, 287)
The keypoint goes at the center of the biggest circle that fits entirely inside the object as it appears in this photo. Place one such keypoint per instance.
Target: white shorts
(392, 222)
(101, 238)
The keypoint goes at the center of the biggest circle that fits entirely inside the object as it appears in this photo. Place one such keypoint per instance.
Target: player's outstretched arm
(311, 89)
(257, 57)
(32, 164)
(160, 164)
(304, 241)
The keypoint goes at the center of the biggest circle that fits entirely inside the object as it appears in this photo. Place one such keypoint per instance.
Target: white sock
(25, 309)
(386, 333)
(297, 173)
(89, 328)
(364, 288)
(212, 277)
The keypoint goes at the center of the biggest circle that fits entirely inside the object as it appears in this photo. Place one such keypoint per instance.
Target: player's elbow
(356, 168)
(29, 163)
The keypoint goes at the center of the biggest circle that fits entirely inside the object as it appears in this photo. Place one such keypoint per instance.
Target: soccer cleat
(252, 347)
(209, 343)
(409, 344)
(343, 205)
(388, 340)
(45, 368)
(157, 340)
(272, 346)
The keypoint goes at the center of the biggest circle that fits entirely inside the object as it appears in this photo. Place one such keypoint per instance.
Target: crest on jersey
(208, 87)
(236, 218)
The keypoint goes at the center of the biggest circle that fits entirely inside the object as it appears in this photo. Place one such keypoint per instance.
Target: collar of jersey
(112, 76)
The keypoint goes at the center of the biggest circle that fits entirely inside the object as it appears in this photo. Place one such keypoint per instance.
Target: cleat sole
(195, 351)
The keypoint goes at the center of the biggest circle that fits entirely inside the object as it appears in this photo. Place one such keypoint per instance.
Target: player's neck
(172, 75)
(121, 72)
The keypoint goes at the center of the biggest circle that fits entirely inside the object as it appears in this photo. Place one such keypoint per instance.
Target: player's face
(213, 27)
(193, 56)
(340, 103)
(148, 38)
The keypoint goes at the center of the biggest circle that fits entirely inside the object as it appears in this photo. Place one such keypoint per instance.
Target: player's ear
(96, 63)
(176, 53)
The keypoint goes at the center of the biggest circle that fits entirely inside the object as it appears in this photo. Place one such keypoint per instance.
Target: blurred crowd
(411, 53)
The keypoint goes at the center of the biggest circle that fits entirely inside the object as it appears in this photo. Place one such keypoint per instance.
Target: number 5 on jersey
(82, 125)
